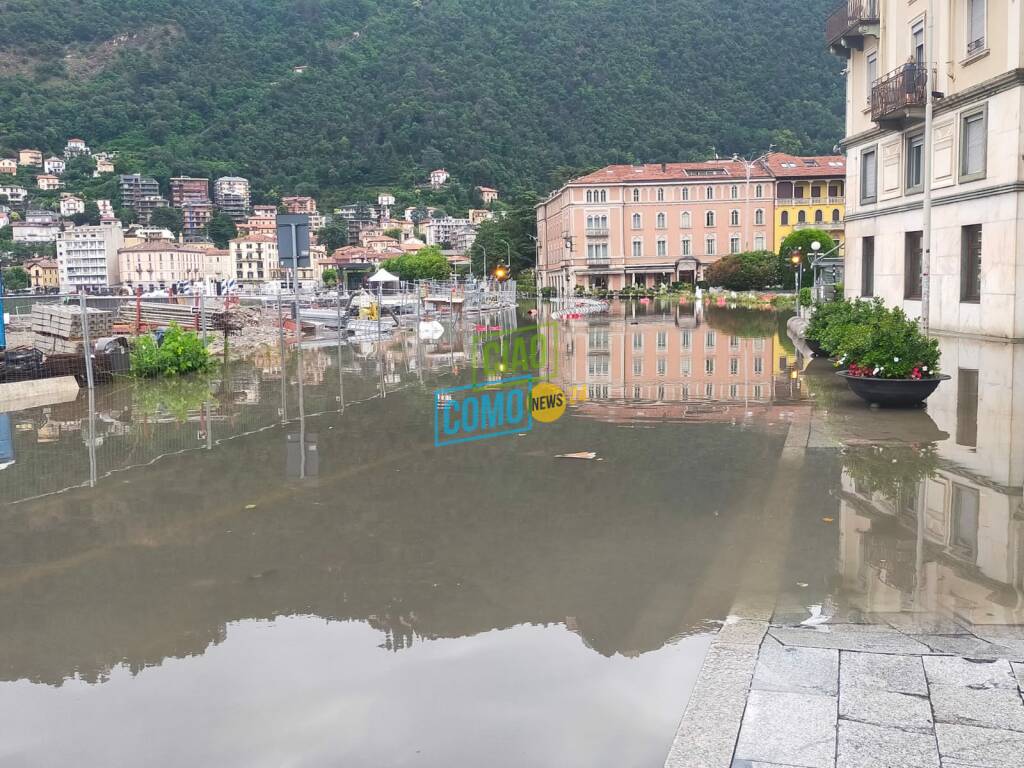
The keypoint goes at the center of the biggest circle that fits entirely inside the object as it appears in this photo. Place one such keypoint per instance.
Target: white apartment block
(87, 257)
(255, 258)
(232, 195)
(977, 173)
(71, 205)
(446, 230)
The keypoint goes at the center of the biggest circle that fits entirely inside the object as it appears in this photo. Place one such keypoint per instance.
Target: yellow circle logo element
(548, 402)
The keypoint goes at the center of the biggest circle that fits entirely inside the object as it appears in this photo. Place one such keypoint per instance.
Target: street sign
(292, 240)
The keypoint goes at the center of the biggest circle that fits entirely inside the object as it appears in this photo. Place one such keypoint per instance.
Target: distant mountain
(333, 96)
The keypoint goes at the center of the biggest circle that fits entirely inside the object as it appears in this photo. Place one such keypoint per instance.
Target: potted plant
(887, 360)
(831, 319)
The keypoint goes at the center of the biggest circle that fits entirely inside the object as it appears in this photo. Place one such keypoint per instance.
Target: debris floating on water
(588, 455)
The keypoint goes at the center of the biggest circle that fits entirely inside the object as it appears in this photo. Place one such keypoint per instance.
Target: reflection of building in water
(971, 561)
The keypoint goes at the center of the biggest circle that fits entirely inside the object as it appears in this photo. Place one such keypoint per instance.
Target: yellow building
(43, 273)
(810, 193)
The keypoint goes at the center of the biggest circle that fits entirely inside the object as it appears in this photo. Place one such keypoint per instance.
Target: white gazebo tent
(383, 276)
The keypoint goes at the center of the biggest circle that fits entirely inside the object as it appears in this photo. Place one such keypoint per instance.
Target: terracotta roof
(255, 239)
(785, 166)
(161, 246)
(653, 173)
(42, 263)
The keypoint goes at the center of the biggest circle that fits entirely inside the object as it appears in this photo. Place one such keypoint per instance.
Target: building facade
(195, 216)
(809, 194)
(87, 257)
(13, 193)
(37, 227)
(76, 147)
(71, 205)
(255, 258)
(48, 183)
(650, 224)
(8, 166)
(186, 189)
(54, 165)
(158, 265)
(43, 273)
(232, 195)
(975, 169)
(142, 195)
(30, 157)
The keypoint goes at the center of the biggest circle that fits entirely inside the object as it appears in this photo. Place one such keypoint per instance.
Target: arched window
(636, 221)
(661, 195)
(734, 193)
(685, 193)
(660, 222)
(590, 196)
(784, 220)
(734, 218)
(604, 195)
(819, 216)
(636, 195)
(686, 220)
(759, 191)
(835, 215)
(590, 221)
(801, 217)
(709, 193)
(759, 217)
(709, 219)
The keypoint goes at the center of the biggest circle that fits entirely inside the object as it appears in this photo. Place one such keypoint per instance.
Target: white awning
(383, 276)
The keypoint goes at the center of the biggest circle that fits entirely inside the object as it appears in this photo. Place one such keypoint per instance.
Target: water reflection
(287, 529)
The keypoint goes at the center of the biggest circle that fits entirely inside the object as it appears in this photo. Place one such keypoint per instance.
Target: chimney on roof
(664, 167)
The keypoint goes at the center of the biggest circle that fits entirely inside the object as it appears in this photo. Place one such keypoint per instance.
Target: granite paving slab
(869, 746)
(923, 623)
(1018, 669)
(1011, 637)
(850, 637)
(899, 674)
(798, 670)
(742, 631)
(979, 747)
(986, 707)
(964, 645)
(789, 729)
(908, 712)
(976, 673)
(707, 734)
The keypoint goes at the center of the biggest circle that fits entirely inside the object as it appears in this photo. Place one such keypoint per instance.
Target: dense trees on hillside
(336, 97)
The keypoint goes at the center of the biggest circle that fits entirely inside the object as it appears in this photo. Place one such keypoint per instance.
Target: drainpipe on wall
(926, 171)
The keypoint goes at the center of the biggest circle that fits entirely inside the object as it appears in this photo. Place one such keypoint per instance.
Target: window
(684, 393)
(734, 366)
(759, 244)
(638, 341)
(867, 267)
(709, 246)
(734, 244)
(734, 192)
(685, 192)
(709, 219)
(912, 265)
(662, 369)
(964, 536)
(662, 247)
(709, 389)
(734, 342)
(819, 216)
(734, 218)
(709, 365)
(975, 26)
(915, 163)
(869, 175)
(758, 366)
(685, 340)
(598, 365)
(636, 221)
(967, 408)
(759, 217)
(597, 338)
(758, 392)
(917, 41)
(590, 196)
(661, 195)
(638, 249)
(662, 340)
(970, 264)
(709, 193)
(759, 191)
(872, 73)
(685, 247)
(636, 195)
(686, 220)
(660, 221)
(801, 217)
(638, 367)
(604, 195)
(784, 219)
(836, 216)
(973, 145)
(686, 367)
(710, 339)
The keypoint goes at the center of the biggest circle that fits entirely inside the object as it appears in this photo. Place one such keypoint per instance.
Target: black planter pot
(815, 348)
(892, 393)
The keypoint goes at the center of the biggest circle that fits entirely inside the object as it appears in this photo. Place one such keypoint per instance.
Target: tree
(752, 271)
(515, 230)
(166, 218)
(90, 216)
(221, 229)
(394, 232)
(126, 216)
(425, 264)
(803, 240)
(329, 277)
(16, 279)
(334, 235)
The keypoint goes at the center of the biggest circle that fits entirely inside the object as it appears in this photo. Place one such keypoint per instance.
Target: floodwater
(249, 572)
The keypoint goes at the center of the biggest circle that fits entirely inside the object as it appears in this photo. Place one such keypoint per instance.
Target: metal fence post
(86, 343)
(202, 311)
(284, 360)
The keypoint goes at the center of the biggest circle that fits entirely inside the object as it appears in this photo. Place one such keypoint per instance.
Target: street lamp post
(509, 247)
(796, 259)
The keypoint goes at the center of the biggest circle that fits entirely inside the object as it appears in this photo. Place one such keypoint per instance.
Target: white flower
(895, 359)
(876, 371)
(925, 369)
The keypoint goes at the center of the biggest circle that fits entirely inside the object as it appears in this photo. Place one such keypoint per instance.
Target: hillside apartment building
(976, 160)
(87, 257)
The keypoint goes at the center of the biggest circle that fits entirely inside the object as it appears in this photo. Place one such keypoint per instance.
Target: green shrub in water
(181, 352)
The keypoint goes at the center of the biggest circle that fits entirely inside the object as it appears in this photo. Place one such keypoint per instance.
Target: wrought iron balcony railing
(850, 19)
(900, 95)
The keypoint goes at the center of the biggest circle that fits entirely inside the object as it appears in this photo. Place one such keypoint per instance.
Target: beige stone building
(160, 264)
(974, 169)
(43, 273)
(255, 258)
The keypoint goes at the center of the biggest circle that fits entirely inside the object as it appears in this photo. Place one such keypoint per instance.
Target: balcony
(898, 98)
(827, 226)
(598, 261)
(850, 23)
(597, 232)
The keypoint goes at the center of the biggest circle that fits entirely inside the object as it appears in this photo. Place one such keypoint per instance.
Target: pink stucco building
(647, 224)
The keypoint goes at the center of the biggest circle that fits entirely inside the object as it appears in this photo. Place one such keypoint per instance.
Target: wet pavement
(235, 572)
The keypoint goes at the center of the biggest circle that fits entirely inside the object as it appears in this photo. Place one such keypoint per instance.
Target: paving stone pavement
(903, 690)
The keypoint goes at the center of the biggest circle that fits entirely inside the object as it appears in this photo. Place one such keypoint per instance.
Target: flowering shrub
(886, 344)
(832, 318)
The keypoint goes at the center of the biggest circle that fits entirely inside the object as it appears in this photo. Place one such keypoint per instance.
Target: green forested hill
(501, 92)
